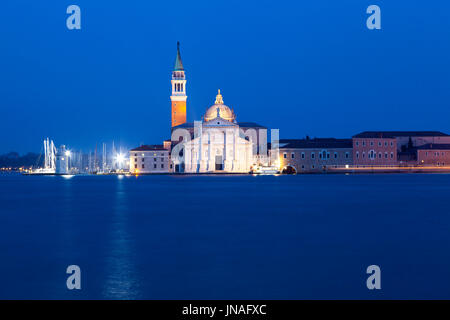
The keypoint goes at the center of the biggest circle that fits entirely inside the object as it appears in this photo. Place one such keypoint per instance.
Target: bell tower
(178, 96)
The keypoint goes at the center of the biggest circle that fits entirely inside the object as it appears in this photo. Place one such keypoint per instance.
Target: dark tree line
(14, 160)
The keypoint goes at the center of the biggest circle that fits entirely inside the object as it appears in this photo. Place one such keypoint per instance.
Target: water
(225, 237)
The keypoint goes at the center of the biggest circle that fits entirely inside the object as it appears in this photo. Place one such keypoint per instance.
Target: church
(216, 143)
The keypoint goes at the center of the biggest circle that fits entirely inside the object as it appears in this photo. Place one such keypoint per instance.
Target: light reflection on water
(122, 281)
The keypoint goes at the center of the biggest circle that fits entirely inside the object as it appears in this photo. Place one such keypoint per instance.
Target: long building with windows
(314, 155)
(394, 148)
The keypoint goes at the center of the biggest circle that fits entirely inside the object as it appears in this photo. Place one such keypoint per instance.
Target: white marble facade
(218, 147)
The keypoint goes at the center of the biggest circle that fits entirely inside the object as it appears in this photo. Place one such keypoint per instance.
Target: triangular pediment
(218, 122)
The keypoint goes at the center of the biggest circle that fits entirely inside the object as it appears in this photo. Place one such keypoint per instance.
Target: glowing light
(67, 153)
(120, 157)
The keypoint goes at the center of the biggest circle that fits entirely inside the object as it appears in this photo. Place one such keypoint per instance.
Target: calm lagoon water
(225, 237)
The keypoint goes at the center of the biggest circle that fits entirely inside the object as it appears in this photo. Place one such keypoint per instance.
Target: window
(385, 143)
(312, 155)
(364, 155)
(364, 143)
(357, 155)
(312, 166)
(292, 155)
(328, 155)
(371, 143)
(347, 155)
(162, 166)
(154, 166)
(385, 155)
(303, 166)
(303, 155)
(154, 159)
(379, 155)
(379, 143)
(135, 166)
(143, 166)
(392, 155)
(392, 143)
(335, 155)
(162, 159)
(135, 159)
(135, 154)
(357, 143)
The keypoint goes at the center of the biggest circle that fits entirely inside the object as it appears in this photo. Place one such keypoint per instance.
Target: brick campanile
(178, 96)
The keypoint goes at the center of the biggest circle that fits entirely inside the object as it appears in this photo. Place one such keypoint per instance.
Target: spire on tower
(178, 62)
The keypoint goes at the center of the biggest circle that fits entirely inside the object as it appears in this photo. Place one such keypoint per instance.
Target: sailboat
(49, 159)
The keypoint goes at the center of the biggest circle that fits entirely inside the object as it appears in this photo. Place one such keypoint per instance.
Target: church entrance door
(219, 163)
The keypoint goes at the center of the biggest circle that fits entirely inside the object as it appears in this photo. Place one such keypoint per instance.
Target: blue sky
(305, 67)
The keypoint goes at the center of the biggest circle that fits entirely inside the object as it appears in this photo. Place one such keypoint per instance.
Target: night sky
(305, 67)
